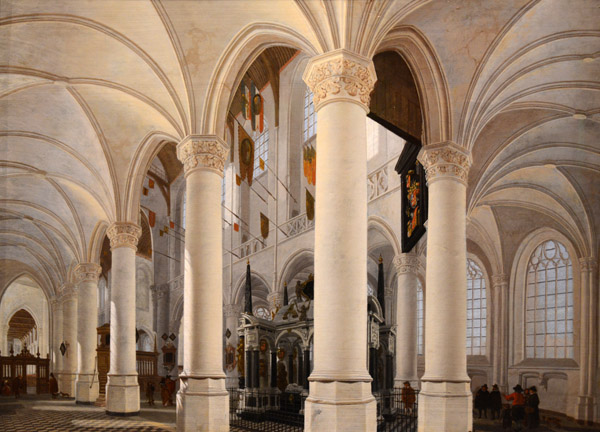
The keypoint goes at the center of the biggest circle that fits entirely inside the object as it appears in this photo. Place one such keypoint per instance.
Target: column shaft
(87, 317)
(340, 396)
(57, 337)
(202, 401)
(445, 398)
(407, 266)
(122, 389)
(69, 368)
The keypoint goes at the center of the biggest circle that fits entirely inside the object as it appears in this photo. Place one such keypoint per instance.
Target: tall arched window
(310, 117)
(420, 309)
(549, 308)
(476, 310)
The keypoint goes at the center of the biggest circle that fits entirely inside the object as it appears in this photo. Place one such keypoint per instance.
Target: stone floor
(480, 425)
(43, 414)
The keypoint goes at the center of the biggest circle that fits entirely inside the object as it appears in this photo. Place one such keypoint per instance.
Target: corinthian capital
(499, 279)
(447, 160)
(123, 234)
(588, 264)
(202, 152)
(407, 263)
(340, 75)
(87, 272)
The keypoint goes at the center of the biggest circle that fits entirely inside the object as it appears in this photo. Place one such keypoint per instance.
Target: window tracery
(476, 310)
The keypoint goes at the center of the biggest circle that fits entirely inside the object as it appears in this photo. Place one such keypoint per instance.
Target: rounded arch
(32, 276)
(432, 87)
(518, 282)
(238, 293)
(150, 334)
(296, 262)
(237, 57)
(379, 224)
(138, 167)
(95, 245)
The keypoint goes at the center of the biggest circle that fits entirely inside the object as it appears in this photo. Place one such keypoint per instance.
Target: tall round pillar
(86, 385)
(445, 397)
(122, 389)
(407, 267)
(340, 396)
(57, 333)
(69, 369)
(232, 314)
(202, 400)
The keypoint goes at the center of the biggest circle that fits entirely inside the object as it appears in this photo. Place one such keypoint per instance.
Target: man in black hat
(482, 400)
(495, 402)
(532, 409)
(518, 405)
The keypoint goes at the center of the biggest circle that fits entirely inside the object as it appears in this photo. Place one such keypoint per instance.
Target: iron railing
(397, 411)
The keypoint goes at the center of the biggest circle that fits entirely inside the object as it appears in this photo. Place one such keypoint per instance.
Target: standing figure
(495, 402)
(150, 393)
(17, 387)
(6, 390)
(53, 386)
(532, 409)
(408, 397)
(518, 406)
(164, 392)
(170, 384)
(482, 400)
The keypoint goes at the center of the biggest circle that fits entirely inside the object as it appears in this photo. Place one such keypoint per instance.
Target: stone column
(86, 391)
(407, 266)
(500, 331)
(340, 396)
(232, 314)
(69, 369)
(588, 344)
(202, 401)
(122, 389)
(57, 336)
(161, 299)
(445, 398)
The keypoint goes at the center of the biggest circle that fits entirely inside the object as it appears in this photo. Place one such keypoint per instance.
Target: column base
(340, 407)
(122, 395)
(445, 406)
(66, 383)
(585, 410)
(86, 388)
(202, 404)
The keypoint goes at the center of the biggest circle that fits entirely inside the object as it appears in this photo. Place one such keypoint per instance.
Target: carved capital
(55, 302)
(68, 291)
(123, 234)
(232, 310)
(87, 272)
(407, 263)
(588, 264)
(446, 160)
(202, 152)
(499, 279)
(340, 75)
(160, 291)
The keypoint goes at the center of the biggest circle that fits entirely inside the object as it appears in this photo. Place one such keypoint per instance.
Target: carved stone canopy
(124, 234)
(87, 272)
(202, 152)
(340, 75)
(446, 160)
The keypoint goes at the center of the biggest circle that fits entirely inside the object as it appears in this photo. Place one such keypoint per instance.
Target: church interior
(165, 225)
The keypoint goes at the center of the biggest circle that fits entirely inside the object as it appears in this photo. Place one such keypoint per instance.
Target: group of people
(167, 389)
(14, 387)
(524, 410)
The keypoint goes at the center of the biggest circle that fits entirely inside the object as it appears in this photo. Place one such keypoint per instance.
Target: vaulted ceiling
(90, 89)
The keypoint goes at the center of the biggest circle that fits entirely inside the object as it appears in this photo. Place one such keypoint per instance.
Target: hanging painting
(413, 195)
(310, 205)
(264, 225)
(310, 164)
(246, 148)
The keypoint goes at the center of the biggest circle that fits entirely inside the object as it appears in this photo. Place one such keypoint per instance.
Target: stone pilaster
(588, 343)
(500, 330)
(57, 335)
(408, 266)
(122, 389)
(340, 396)
(161, 297)
(86, 385)
(445, 398)
(202, 401)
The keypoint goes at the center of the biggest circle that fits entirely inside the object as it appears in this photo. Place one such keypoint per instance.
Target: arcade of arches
(158, 155)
